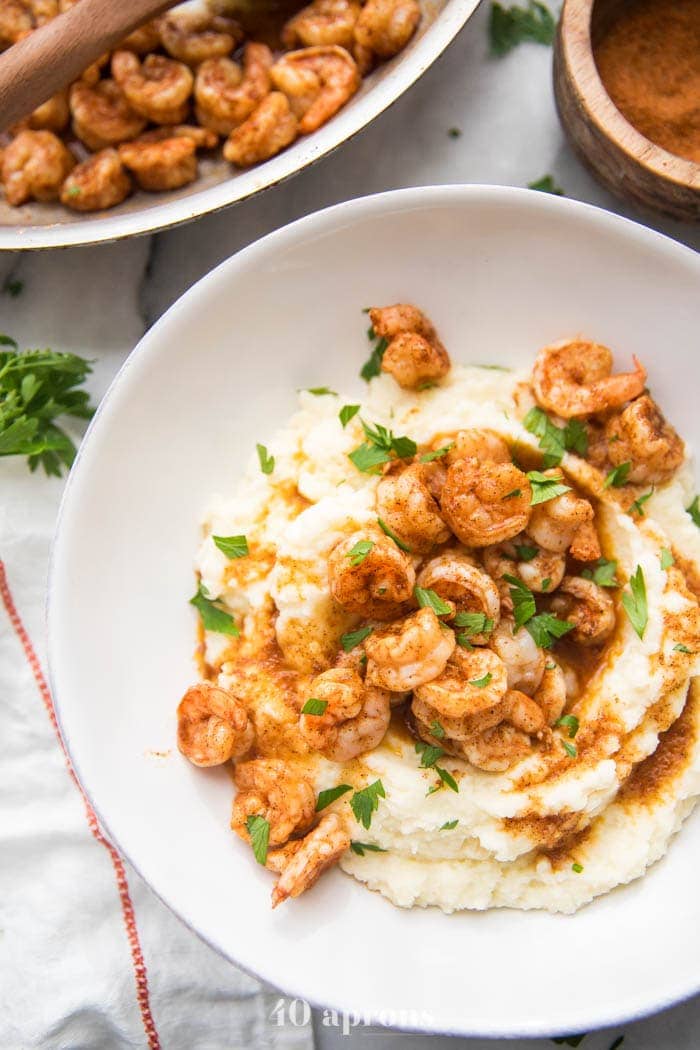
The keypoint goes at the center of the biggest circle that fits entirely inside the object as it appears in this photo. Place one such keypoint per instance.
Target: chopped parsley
(429, 754)
(365, 802)
(267, 462)
(259, 831)
(546, 184)
(510, 26)
(449, 825)
(637, 506)
(368, 458)
(666, 558)
(353, 638)
(447, 778)
(474, 623)
(232, 546)
(428, 599)
(545, 488)
(436, 730)
(603, 573)
(314, 706)
(617, 477)
(428, 457)
(694, 510)
(546, 582)
(330, 795)
(525, 553)
(554, 441)
(360, 848)
(392, 536)
(513, 494)
(346, 414)
(635, 602)
(321, 391)
(680, 648)
(578, 868)
(214, 618)
(380, 447)
(373, 365)
(524, 607)
(546, 628)
(359, 551)
(463, 639)
(13, 287)
(481, 683)
(454, 133)
(569, 748)
(570, 723)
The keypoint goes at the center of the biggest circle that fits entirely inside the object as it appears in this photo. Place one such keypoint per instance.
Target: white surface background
(98, 301)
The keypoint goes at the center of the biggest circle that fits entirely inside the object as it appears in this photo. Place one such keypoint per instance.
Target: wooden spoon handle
(34, 69)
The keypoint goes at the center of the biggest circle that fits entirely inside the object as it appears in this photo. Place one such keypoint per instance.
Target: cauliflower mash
(449, 632)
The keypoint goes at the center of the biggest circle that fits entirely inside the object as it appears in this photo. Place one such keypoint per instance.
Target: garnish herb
(555, 441)
(635, 602)
(267, 462)
(448, 825)
(578, 868)
(569, 748)
(447, 778)
(513, 494)
(365, 802)
(353, 638)
(481, 683)
(546, 628)
(526, 553)
(569, 1040)
(346, 414)
(546, 184)
(36, 388)
(545, 488)
(429, 754)
(214, 618)
(259, 831)
(463, 640)
(232, 546)
(428, 457)
(313, 706)
(637, 506)
(321, 391)
(380, 447)
(694, 510)
(618, 475)
(474, 623)
(666, 558)
(436, 730)
(373, 365)
(680, 648)
(360, 848)
(359, 552)
(510, 26)
(546, 582)
(367, 458)
(454, 133)
(330, 795)
(13, 287)
(603, 573)
(392, 536)
(570, 722)
(428, 599)
(524, 607)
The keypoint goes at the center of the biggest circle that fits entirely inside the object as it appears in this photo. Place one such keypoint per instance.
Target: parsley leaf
(359, 551)
(546, 184)
(429, 754)
(569, 748)
(680, 648)
(510, 26)
(481, 683)
(353, 638)
(635, 602)
(13, 287)
(546, 628)
(618, 475)
(578, 868)
(447, 778)
(428, 457)
(360, 848)
(637, 506)
(330, 795)
(666, 558)
(259, 831)
(448, 825)
(553, 440)
(603, 573)
(694, 511)
(232, 546)
(380, 447)
(214, 618)
(474, 623)
(392, 536)
(570, 722)
(321, 391)
(524, 607)
(373, 365)
(428, 599)
(368, 458)
(436, 730)
(313, 706)
(267, 462)
(525, 553)
(346, 414)
(545, 488)
(365, 802)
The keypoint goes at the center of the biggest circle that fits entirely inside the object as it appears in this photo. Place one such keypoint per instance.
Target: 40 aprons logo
(297, 1012)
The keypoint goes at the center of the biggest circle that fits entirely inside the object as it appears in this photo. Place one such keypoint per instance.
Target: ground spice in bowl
(649, 61)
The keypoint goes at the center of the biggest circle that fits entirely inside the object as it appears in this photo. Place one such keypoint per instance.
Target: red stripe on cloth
(140, 975)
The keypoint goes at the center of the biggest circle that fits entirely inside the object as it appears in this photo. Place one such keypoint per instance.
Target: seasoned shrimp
(323, 23)
(268, 788)
(414, 354)
(576, 380)
(539, 569)
(524, 661)
(226, 95)
(485, 445)
(406, 505)
(202, 137)
(457, 580)
(466, 698)
(212, 725)
(588, 606)
(102, 116)
(409, 652)
(500, 747)
(34, 165)
(385, 26)
(52, 115)
(317, 82)
(268, 129)
(388, 321)
(556, 524)
(158, 88)
(15, 21)
(142, 40)
(355, 719)
(99, 182)
(485, 503)
(319, 850)
(380, 584)
(193, 36)
(551, 693)
(640, 435)
(163, 165)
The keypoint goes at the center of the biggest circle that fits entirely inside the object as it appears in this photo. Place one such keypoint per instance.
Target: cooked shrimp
(457, 580)
(406, 505)
(158, 88)
(497, 749)
(203, 138)
(52, 115)
(225, 94)
(388, 321)
(102, 116)
(554, 525)
(539, 569)
(268, 129)
(380, 584)
(414, 354)
(588, 606)
(142, 40)
(268, 788)
(409, 652)
(641, 436)
(193, 36)
(467, 697)
(34, 165)
(99, 182)
(317, 82)
(485, 445)
(576, 380)
(319, 850)
(212, 725)
(485, 503)
(322, 23)
(15, 21)
(355, 719)
(385, 26)
(523, 659)
(551, 692)
(163, 165)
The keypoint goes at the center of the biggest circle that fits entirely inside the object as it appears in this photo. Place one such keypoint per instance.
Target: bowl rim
(575, 36)
(402, 72)
(325, 220)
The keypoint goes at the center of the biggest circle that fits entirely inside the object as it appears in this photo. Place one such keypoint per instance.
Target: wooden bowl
(619, 156)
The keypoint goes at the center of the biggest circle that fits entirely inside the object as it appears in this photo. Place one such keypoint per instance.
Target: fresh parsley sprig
(259, 830)
(603, 572)
(428, 599)
(510, 26)
(545, 488)
(553, 440)
(214, 617)
(364, 803)
(381, 446)
(635, 602)
(232, 546)
(544, 628)
(546, 184)
(373, 365)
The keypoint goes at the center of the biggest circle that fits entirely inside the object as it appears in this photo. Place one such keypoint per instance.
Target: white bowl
(502, 272)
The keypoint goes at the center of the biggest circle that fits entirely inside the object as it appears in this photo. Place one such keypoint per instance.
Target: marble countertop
(99, 301)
